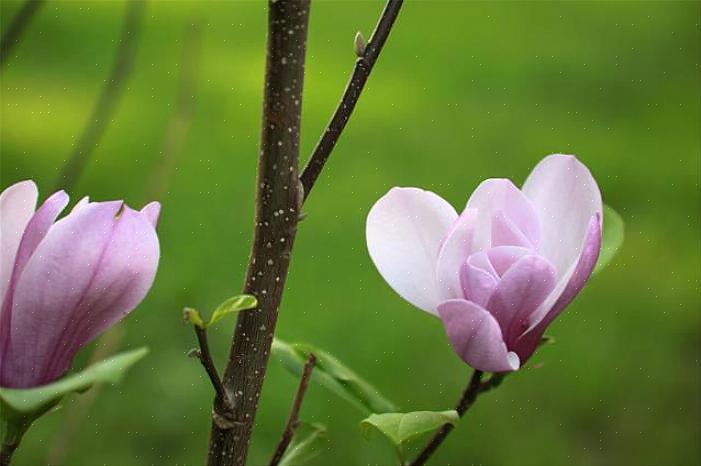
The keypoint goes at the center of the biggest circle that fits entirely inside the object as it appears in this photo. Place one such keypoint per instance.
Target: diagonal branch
(16, 28)
(361, 72)
(205, 357)
(293, 420)
(111, 93)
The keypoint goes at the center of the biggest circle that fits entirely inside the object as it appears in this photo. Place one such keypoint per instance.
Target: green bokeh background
(463, 91)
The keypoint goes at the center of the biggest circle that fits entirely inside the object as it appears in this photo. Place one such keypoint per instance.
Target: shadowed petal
(565, 196)
(453, 255)
(478, 279)
(476, 337)
(519, 293)
(404, 232)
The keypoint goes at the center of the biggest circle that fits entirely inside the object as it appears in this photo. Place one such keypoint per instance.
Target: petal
(17, 204)
(565, 196)
(404, 232)
(501, 195)
(152, 211)
(38, 227)
(503, 257)
(505, 233)
(125, 274)
(566, 290)
(476, 337)
(478, 281)
(453, 255)
(81, 203)
(50, 288)
(519, 293)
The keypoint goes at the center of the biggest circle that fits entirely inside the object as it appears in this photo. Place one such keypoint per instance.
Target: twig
(17, 27)
(205, 357)
(6, 452)
(468, 398)
(277, 211)
(293, 420)
(181, 116)
(111, 93)
(361, 72)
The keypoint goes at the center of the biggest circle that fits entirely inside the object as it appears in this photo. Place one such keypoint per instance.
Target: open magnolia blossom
(500, 272)
(64, 282)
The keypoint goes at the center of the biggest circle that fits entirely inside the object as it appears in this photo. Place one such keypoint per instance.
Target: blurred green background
(463, 91)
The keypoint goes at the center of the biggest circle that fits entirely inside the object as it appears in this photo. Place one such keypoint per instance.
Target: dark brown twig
(205, 357)
(361, 72)
(293, 420)
(16, 28)
(474, 388)
(111, 93)
(277, 212)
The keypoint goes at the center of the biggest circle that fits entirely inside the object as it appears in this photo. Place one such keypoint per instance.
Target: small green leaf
(403, 427)
(232, 306)
(334, 375)
(19, 407)
(611, 237)
(306, 444)
(193, 316)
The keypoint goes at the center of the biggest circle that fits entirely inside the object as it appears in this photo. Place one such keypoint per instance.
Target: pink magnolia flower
(500, 272)
(64, 282)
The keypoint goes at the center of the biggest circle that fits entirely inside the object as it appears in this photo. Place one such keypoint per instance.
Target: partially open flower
(500, 272)
(64, 282)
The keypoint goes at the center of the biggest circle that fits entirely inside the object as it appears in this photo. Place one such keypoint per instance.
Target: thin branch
(6, 452)
(474, 388)
(111, 93)
(361, 72)
(293, 420)
(205, 357)
(16, 28)
(278, 203)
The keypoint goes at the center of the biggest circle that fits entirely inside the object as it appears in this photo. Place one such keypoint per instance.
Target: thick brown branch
(361, 72)
(16, 28)
(277, 211)
(293, 420)
(111, 93)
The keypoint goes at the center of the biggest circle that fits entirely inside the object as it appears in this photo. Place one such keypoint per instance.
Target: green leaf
(193, 316)
(232, 306)
(306, 444)
(19, 407)
(403, 427)
(611, 237)
(334, 375)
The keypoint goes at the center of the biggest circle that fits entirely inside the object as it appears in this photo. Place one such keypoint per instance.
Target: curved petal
(478, 279)
(505, 233)
(565, 196)
(519, 293)
(17, 204)
(503, 257)
(81, 203)
(565, 291)
(404, 231)
(124, 275)
(50, 289)
(152, 211)
(476, 337)
(453, 255)
(501, 195)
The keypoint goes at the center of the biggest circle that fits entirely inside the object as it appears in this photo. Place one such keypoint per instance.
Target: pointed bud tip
(359, 44)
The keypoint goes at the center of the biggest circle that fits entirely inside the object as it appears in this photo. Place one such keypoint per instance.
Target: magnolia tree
(495, 275)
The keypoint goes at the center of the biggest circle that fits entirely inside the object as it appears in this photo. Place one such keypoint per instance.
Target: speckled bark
(277, 211)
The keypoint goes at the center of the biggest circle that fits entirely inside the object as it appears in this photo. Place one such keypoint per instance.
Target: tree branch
(277, 210)
(111, 93)
(474, 388)
(17, 27)
(205, 357)
(361, 72)
(293, 420)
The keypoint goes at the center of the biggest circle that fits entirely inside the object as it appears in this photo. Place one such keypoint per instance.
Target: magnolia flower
(64, 282)
(499, 273)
